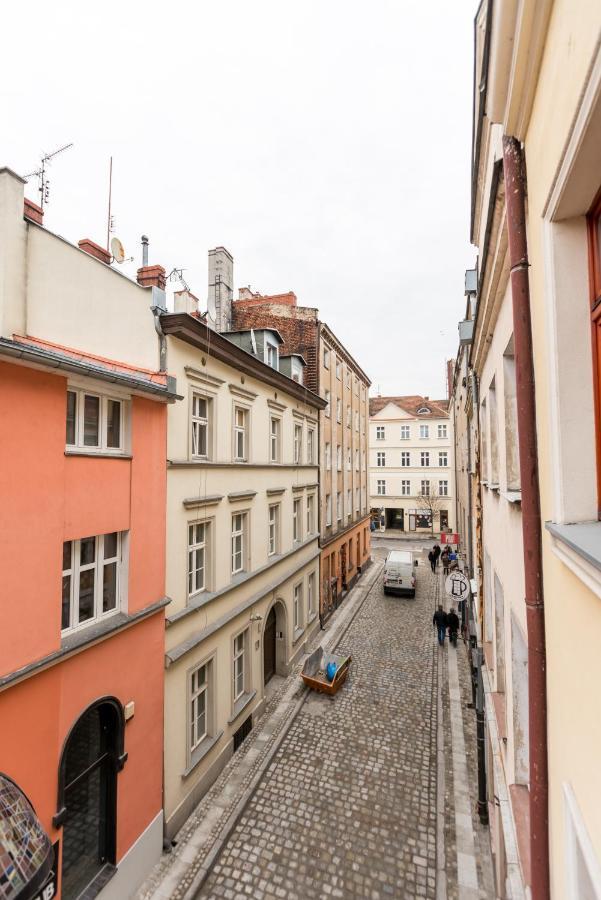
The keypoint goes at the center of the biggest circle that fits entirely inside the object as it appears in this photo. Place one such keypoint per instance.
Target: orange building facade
(82, 557)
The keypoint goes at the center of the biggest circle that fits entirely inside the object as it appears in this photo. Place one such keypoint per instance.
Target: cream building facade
(538, 96)
(411, 464)
(242, 543)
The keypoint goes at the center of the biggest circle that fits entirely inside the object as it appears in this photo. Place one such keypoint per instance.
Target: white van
(399, 573)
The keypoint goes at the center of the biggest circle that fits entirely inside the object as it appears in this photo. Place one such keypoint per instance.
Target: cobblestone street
(348, 805)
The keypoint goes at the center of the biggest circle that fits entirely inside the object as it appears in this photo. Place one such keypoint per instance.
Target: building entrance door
(444, 519)
(269, 647)
(90, 799)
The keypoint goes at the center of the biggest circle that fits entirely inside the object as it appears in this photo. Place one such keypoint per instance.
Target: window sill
(494, 487)
(311, 618)
(201, 751)
(98, 454)
(241, 704)
(297, 634)
(512, 496)
(578, 546)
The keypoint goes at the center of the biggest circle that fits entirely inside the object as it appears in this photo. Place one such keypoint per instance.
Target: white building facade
(411, 466)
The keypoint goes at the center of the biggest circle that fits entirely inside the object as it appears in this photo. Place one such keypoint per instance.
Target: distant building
(333, 373)
(411, 468)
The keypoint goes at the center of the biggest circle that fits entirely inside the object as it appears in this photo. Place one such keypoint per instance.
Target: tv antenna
(44, 184)
(178, 275)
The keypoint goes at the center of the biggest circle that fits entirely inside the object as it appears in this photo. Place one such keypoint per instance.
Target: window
(239, 522)
(298, 444)
(311, 446)
(381, 486)
(328, 509)
(425, 490)
(349, 417)
(349, 459)
(405, 432)
(311, 514)
(339, 457)
(199, 705)
(424, 432)
(423, 410)
(200, 426)
(443, 458)
(357, 460)
(296, 520)
(512, 462)
(326, 357)
(348, 378)
(240, 436)
(381, 458)
(339, 506)
(271, 355)
(91, 585)
(338, 409)
(274, 529)
(405, 459)
(338, 370)
(311, 595)
(198, 553)
(357, 500)
(380, 432)
(405, 487)
(298, 607)
(349, 502)
(328, 456)
(493, 433)
(274, 439)
(425, 458)
(240, 642)
(94, 422)
(443, 488)
(327, 396)
(442, 431)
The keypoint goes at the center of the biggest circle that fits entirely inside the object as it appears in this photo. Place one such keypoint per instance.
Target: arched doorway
(92, 756)
(275, 658)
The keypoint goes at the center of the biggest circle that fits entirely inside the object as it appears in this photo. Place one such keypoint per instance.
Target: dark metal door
(269, 646)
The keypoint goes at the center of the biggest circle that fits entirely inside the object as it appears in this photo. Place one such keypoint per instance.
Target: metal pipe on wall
(515, 194)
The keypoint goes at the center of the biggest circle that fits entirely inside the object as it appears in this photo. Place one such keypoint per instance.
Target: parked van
(399, 573)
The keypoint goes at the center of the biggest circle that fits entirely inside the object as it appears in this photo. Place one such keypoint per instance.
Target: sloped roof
(411, 404)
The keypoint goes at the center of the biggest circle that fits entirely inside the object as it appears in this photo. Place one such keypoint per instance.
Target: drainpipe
(515, 194)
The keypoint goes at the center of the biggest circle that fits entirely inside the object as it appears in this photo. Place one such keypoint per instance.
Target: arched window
(423, 411)
(87, 794)
(26, 855)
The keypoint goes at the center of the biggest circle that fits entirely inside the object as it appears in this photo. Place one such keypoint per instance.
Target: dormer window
(271, 354)
(423, 411)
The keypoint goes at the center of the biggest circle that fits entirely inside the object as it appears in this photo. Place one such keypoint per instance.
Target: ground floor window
(200, 704)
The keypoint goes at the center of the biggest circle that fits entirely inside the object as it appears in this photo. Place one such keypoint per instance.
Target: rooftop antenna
(110, 222)
(178, 275)
(44, 184)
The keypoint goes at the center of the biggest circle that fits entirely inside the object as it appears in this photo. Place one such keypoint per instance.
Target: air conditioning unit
(466, 332)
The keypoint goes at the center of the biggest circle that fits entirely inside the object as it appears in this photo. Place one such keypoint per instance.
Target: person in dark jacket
(453, 622)
(440, 620)
(444, 558)
(432, 559)
(437, 551)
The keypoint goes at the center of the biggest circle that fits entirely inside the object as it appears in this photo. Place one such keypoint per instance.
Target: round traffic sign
(457, 586)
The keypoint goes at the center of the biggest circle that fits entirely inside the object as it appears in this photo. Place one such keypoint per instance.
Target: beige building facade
(242, 544)
(411, 465)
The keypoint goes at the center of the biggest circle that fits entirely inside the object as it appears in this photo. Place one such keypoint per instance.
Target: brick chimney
(33, 212)
(94, 250)
(152, 276)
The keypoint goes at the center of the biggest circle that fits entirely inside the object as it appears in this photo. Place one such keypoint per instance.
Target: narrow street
(357, 800)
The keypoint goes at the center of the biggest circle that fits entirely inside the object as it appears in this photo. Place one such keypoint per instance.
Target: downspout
(515, 193)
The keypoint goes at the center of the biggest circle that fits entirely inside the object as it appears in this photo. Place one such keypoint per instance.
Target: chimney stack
(95, 250)
(221, 287)
(33, 212)
(150, 276)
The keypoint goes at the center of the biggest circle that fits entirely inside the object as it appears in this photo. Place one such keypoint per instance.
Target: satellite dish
(118, 250)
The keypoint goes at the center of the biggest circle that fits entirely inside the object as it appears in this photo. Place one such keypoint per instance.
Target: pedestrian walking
(453, 626)
(439, 619)
(432, 560)
(444, 558)
(436, 549)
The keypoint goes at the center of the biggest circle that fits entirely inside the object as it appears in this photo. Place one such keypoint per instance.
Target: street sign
(457, 586)
(448, 538)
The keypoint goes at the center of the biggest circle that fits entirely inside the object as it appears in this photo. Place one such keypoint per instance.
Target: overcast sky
(325, 143)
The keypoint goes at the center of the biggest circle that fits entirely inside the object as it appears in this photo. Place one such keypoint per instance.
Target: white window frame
(425, 487)
(425, 459)
(381, 459)
(405, 432)
(104, 399)
(194, 548)
(349, 416)
(339, 506)
(380, 433)
(311, 589)
(443, 454)
(381, 487)
(197, 423)
(328, 399)
(273, 529)
(338, 457)
(298, 444)
(199, 692)
(349, 502)
(328, 456)
(310, 446)
(326, 358)
(357, 500)
(405, 459)
(405, 487)
(100, 562)
(241, 533)
(241, 431)
(338, 370)
(339, 410)
(297, 520)
(424, 432)
(240, 663)
(311, 514)
(297, 607)
(271, 354)
(328, 510)
(442, 431)
(275, 439)
(443, 488)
